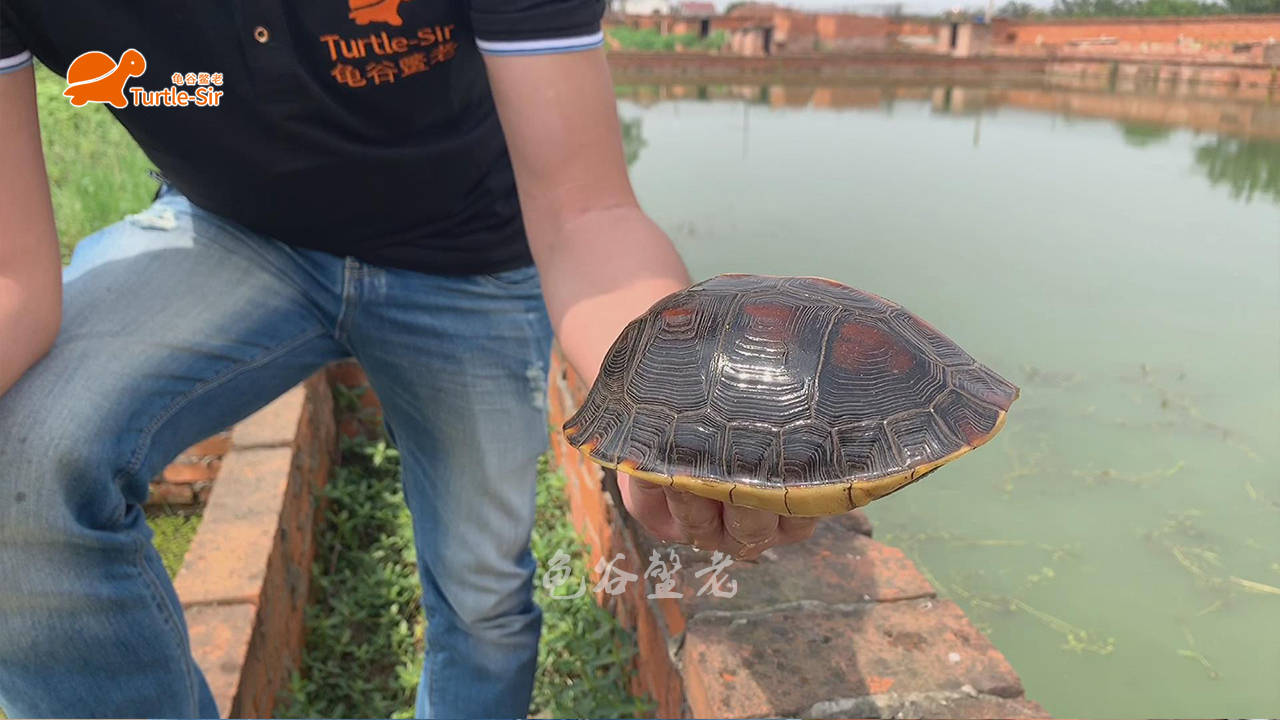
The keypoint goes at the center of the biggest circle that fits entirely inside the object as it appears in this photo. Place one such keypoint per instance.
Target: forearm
(603, 262)
(30, 265)
(28, 326)
(604, 269)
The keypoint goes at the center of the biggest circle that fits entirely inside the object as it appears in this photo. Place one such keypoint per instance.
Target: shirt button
(261, 35)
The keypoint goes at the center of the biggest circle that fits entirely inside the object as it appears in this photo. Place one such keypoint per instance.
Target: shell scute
(648, 439)
(921, 438)
(679, 343)
(809, 455)
(697, 447)
(764, 376)
(870, 373)
(753, 455)
(865, 450)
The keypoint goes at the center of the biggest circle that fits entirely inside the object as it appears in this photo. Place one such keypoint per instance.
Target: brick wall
(188, 480)
(245, 581)
(1225, 39)
(1205, 30)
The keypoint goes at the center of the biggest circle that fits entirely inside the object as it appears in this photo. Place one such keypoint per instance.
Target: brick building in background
(768, 29)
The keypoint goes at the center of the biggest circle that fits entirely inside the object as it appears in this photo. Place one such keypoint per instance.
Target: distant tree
(1252, 6)
(1246, 167)
(1018, 9)
(1139, 135)
(632, 139)
(1093, 8)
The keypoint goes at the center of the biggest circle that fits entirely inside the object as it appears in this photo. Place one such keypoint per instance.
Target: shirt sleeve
(13, 52)
(537, 27)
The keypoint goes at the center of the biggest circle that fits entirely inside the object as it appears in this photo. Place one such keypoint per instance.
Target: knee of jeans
(58, 469)
(496, 624)
(492, 605)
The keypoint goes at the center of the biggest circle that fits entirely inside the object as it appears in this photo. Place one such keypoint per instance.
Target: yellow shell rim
(805, 501)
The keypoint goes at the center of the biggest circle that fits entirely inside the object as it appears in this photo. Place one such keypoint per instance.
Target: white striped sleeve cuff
(541, 47)
(15, 62)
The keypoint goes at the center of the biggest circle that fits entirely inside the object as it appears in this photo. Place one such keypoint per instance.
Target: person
(433, 188)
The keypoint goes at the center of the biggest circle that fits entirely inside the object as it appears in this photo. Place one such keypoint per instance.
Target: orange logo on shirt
(95, 77)
(383, 11)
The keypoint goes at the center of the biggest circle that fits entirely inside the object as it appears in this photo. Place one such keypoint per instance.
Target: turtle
(94, 77)
(797, 395)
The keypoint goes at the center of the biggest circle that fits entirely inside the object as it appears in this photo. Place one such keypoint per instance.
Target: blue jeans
(177, 324)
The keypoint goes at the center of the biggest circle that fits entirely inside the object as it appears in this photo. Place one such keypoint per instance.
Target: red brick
(672, 615)
(214, 445)
(654, 668)
(347, 373)
(220, 636)
(785, 662)
(228, 559)
(254, 552)
(191, 472)
(275, 425)
(1167, 32)
(840, 566)
(163, 493)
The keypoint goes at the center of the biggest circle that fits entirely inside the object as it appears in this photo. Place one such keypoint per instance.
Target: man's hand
(678, 516)
(603, 262)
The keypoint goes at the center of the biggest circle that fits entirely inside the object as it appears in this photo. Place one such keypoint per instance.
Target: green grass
(654, 41)
(173, 535)
(585, 656)
(97, 173)
(365, 629)
(364, 625)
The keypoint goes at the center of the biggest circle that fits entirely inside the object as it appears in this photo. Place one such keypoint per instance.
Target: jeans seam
(167, 615)
(350, 300)
(144, 441)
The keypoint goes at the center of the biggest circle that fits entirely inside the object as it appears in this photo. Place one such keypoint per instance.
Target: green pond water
(1120, 540)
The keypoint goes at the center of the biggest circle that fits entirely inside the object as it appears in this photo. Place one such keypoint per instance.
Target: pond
(1120, 540)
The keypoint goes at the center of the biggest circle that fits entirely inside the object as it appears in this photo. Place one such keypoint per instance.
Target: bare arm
(603, 262)
(30, 267)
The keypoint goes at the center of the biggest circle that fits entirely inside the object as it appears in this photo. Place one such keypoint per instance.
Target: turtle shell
(90, 66)
(797, 395)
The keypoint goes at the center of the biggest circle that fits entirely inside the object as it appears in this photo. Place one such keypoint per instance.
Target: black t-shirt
(357, 127)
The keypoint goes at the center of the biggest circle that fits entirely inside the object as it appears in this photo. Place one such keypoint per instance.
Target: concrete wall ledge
(245, 580)
(839, 626)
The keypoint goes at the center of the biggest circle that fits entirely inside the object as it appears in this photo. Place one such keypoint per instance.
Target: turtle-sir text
(203, 92)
